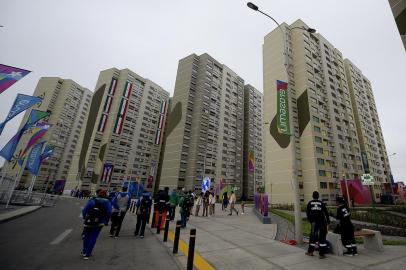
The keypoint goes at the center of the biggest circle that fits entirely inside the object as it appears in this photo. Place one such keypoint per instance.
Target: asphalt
(49, 238)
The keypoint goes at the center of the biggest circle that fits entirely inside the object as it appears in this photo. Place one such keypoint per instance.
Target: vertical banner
(10, 75)
(282, 113)
(251, 161)
(358, 192)
(365, 163)
(34, 159)
(122, 111)
(21, 103)
(107, 173)
(8, 150)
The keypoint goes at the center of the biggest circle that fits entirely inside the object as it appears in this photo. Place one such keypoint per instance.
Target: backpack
(95, 214)
(187, 202)
(144, 206)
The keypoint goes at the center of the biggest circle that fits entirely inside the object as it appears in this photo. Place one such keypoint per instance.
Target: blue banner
(8, 150)
(21, 103)
(134, 188)
(34, 158)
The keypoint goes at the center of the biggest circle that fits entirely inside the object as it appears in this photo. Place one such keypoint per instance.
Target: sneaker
(115, 237)
(229, 214)
(237, 213)
(141, 236)
(355, 253)
(322, 256)
(85, 257)
(348, 254)
(111, 235)
(309, 254)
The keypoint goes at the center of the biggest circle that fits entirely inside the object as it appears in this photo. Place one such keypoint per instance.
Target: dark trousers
(141, 222)
(90, 235)
(318, 232)
(172, 211)
(183, 218)
(347, 237)
(116, 221)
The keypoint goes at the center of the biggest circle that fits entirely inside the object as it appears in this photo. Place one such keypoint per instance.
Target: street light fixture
(295, 185)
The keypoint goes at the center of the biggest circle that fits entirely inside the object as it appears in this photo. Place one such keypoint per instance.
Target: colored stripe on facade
(118, 127)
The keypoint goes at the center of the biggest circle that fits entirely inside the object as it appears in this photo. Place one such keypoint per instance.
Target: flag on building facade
(251, 161)
(118, 127)
(9, 75)
(107, 173)
(282, 113)
(34, 158)
(8, 150)
(21, 103)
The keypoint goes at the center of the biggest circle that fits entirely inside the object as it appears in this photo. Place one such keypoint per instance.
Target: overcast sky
(76, 39)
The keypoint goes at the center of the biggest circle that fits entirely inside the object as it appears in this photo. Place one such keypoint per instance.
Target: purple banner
(261, 203)
(9, 75)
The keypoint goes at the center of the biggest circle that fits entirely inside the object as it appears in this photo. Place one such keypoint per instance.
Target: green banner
(282, 113)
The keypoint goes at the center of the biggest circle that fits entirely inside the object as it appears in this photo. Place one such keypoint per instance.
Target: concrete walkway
(242, 242)
(11, 213)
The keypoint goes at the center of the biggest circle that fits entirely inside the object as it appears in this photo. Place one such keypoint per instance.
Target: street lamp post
(295, 185)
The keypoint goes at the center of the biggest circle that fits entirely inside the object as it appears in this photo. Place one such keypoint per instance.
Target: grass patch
(306, 227)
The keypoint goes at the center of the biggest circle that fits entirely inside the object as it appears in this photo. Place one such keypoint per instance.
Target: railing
(25, 198)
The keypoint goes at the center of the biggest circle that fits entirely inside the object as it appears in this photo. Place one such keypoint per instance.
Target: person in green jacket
(173, 202)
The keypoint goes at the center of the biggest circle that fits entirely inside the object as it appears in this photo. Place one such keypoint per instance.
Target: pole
(3, 173)
(348, 193)
(12, 188)
(166, 229)
(176, 240)
(33, 179)
(191, 251)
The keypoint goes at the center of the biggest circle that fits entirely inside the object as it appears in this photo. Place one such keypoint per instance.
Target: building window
(320, 161)
(318, 139)
(317, 129)
(322, 173)
(323, 185)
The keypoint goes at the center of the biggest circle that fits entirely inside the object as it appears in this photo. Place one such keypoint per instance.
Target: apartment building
(205, 129)
(124, 132)
(372, 145)
(68, 104)
(326, 147)
(253, 165)
(399, 13)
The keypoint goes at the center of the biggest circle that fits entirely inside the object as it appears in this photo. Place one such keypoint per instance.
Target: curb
(18, 213)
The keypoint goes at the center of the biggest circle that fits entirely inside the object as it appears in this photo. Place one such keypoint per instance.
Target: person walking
(96, 213)
(173, 202)
(233, 200)
(184, 203)
(143, 209)
(243, 199)
(206, 204)
(212, 204)
(319, 219)
(346, 228)
(224, 202)
(198, 203)
(120, 203)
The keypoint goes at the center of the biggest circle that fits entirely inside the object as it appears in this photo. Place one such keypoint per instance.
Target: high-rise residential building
(123, 136)
(399, 13)
(372, 145)
(205, 129)
(68, 103)
(253, 165)
(326, 145)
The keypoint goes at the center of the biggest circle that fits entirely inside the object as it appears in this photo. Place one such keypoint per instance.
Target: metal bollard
(166, 230)
(191, 252)
(158, 227)
(153, 220)
(177, 234)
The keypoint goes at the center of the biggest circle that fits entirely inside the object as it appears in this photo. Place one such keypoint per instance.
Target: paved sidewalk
(242, 242)
(15, 212)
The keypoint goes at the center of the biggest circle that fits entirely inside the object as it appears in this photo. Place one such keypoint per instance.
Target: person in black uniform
(346, 228)
(319, 219)
(143, 210)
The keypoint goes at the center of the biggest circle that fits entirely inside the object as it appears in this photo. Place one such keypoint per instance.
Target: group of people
(318, 216)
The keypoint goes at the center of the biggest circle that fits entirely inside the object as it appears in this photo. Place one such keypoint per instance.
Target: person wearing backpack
(173, 202)
(121, 203)
(143, 210)
(96, 213)
(185, 201)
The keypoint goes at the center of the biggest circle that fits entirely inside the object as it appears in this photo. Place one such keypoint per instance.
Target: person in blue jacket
(121, 203)
(96, 213)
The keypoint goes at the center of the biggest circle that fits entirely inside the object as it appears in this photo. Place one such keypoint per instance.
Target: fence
(24, 198)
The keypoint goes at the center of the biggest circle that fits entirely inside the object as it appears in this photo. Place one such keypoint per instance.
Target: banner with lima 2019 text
(282, 113)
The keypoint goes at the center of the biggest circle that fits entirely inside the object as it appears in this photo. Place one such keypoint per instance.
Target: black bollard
(166, 230)
(158, 228)
(153, 220)
(191, 253)
(177, 234)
